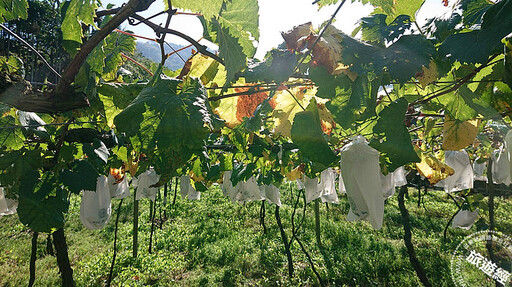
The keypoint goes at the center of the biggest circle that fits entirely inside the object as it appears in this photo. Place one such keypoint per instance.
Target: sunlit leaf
(75, 13)
(391, 137)
(432, 168)
(13, 9)
(459, 135)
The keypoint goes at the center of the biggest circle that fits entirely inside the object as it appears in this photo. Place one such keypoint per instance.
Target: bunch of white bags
(465, 219)
(325, 189)
(249, 190)
(95, 209)
(7, 206)
(118, 190)
(463, 177)
(187, 190)
(361, 177)
(271, 194)
(143, 184)
(392, 180)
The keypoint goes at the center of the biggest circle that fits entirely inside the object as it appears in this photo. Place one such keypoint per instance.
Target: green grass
(213, 242)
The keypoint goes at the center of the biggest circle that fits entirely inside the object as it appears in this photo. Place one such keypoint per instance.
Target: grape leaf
(395, 8)
(402, 60)
(208, 9)
(230, 51)
(10, 137)
(432, 168)
(241, 18)
(81, 176)
(13, 9)
(116, 97)
(476, 46)
(307, 134)
(277, 67)
(458, 135)
(391, 137)
(375, 29)
(167, 121)
(75, 13)
(37, 210)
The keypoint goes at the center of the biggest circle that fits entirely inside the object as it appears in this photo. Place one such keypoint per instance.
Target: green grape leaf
(402, 60)
(230, 51)
(391, 137)
(278, 67)
(168, 121)
(307, 134)
(241, 18)
(37, 210)
(242, 172)
(376, 30)
(116, 97)
(459, 104)
(476, 46)
(395, 8)
(13, 9)
(82, 176)
(75, 13)
(353, 102)
(10, 137)
(208, 9)
(116, 43)
(473, 11)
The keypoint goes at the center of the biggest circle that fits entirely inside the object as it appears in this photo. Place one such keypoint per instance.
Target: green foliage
(42, 203)
(392, 138)
(308, 136)
(278, 67)
(13, 9)
(79, 177)
(402, 60)
(168, 117)
(75, 13)
(476, 46)
(375, 29)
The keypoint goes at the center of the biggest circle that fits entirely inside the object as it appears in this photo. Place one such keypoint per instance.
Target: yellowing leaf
(247, 104)
(432, 168)
(234, 109)
(206, 69)
(286, 107)
(427, 75)
(458, 135)
(291, 37)
(327, 51)
(294, 174)
(227, 111)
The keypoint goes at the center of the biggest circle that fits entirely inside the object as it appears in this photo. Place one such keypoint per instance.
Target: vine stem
(137, 63)
(319, 36)
(61, 249)
(109, 279)
(285, 242)
(407, 239)
(459, 83)
(33, 257)
(158, 29)
(74, 66)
